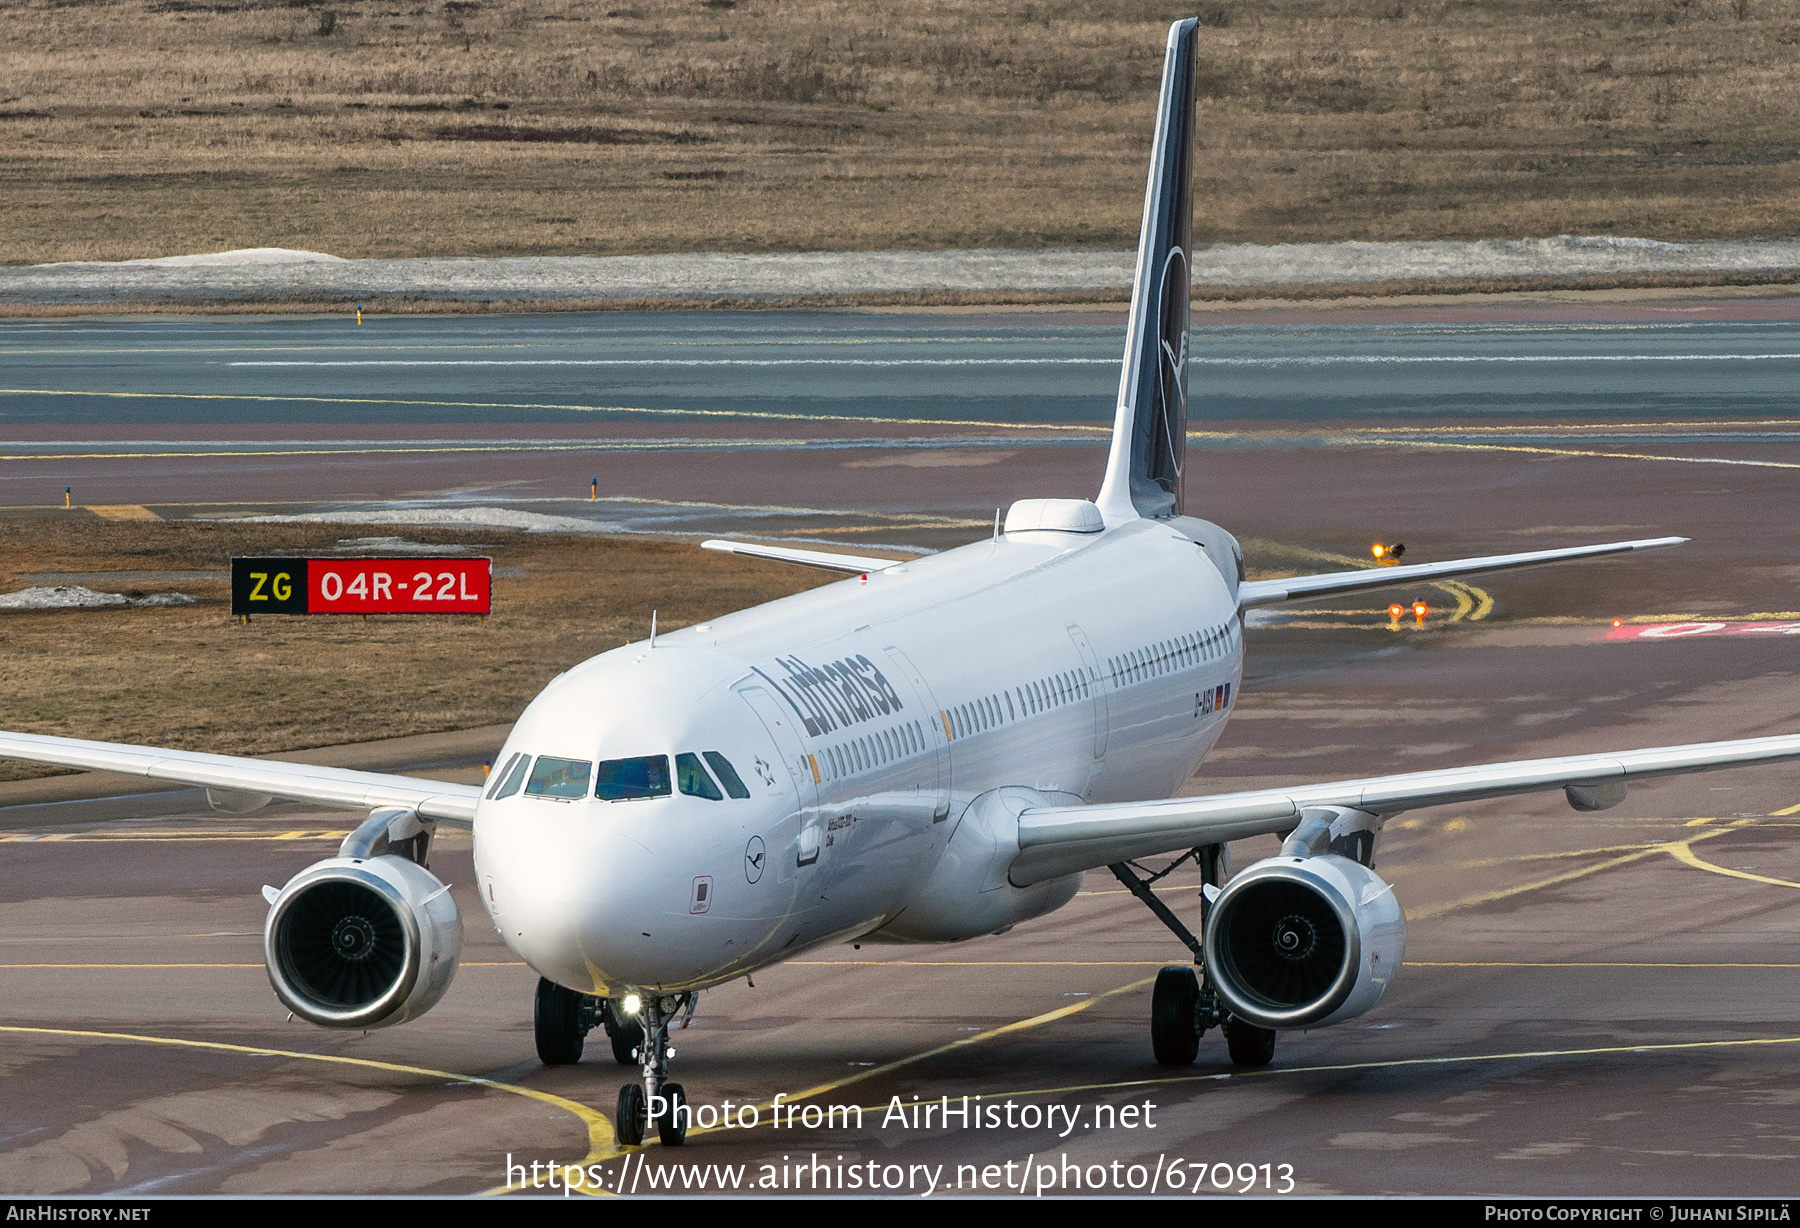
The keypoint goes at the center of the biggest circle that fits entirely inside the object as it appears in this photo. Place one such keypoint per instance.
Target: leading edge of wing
(299, 782)
(825, 560)
(1268, 592)
(1063, 840)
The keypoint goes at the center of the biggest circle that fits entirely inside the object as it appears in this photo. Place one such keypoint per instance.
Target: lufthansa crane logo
(754, 858)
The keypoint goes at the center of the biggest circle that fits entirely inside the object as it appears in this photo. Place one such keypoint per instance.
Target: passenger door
(797, 765)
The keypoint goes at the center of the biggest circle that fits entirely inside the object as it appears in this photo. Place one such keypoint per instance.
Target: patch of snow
(707, 275)
(60, 597)
(77, 597)
(242, 255)
(396, 545)
(482, 517)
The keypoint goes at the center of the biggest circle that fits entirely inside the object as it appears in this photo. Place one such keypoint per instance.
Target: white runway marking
(679, 362)
(1327, 360)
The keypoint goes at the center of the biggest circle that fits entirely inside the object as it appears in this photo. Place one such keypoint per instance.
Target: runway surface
(1592, 1004)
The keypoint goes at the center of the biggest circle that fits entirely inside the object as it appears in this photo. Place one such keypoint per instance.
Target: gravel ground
(273, 273)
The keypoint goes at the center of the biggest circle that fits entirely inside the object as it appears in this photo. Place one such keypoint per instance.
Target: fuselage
(674, 815)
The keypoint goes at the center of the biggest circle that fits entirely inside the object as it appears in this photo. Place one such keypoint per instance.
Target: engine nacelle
(362, 943)
(1297, 942)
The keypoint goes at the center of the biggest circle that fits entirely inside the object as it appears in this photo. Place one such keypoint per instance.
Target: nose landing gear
(654, 1100)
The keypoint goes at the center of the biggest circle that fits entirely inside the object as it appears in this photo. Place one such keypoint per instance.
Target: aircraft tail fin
(1143, 471)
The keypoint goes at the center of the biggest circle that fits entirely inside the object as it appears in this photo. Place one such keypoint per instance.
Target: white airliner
(931, 751)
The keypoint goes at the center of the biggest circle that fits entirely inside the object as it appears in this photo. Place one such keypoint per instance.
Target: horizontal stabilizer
(1269, 592)
(1063, 840)
(297, 782)
(822, 559)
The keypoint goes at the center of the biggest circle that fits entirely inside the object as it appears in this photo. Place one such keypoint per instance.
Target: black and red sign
(361, 586)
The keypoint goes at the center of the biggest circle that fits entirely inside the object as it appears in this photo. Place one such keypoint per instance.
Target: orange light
(1615, 622)
(1378, 550)
(1418, 609)
(1395, 611)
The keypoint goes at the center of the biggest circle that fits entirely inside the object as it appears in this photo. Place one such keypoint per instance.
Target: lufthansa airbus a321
(930, 751)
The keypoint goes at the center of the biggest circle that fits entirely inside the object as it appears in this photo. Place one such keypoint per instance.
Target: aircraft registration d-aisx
(933, 751)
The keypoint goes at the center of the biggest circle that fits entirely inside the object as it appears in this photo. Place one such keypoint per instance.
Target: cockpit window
(621, 780)
(692, 779)
(564, 778)
(727, 774)
(500, 776)
(513, 779)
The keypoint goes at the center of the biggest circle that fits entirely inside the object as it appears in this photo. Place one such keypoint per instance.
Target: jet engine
(1296, 942)
(364, 941)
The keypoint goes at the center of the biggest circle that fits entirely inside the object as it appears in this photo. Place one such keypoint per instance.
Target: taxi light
(1385, 552)
(1616, 622)
(1419, 609)
(1378, 550)
(632, 1004)
(1395, 611)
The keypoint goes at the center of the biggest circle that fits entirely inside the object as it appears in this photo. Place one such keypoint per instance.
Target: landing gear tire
(672, 1126)
(1249, 1044)
(556, 1018)
(627, 1034)
(1174, 1034)
(630, 1120)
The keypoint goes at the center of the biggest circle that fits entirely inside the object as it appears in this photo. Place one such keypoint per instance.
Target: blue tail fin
(1143, 473)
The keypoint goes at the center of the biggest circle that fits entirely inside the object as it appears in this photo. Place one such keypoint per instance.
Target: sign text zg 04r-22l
(361, 586)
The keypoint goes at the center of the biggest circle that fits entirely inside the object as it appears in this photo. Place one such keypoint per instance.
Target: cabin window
(625, 780)
(558, 778)
(692, 779)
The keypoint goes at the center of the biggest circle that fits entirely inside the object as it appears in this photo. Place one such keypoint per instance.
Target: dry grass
(191, 677)
(484, 127)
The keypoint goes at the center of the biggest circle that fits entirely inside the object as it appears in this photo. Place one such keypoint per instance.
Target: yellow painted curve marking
(1465, 604)
(600, 1132)
(1682, 853)
(1489, 897)
(764, 1106)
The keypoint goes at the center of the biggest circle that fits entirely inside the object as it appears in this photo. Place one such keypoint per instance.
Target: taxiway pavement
(1592, 1004)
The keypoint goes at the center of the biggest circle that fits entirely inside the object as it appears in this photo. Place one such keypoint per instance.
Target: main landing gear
(563, 1018)
(1183, 1005)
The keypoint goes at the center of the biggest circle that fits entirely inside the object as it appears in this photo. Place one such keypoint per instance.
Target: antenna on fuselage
(653, 629)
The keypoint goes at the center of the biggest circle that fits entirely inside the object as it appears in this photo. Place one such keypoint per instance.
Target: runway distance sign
(361, 586)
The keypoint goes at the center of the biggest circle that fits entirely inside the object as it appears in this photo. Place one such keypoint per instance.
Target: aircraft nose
(569, 898)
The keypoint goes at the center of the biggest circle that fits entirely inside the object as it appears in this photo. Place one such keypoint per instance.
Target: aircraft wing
(298, 782)
(1062, 840)
(1268, 592)
(825, 560)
